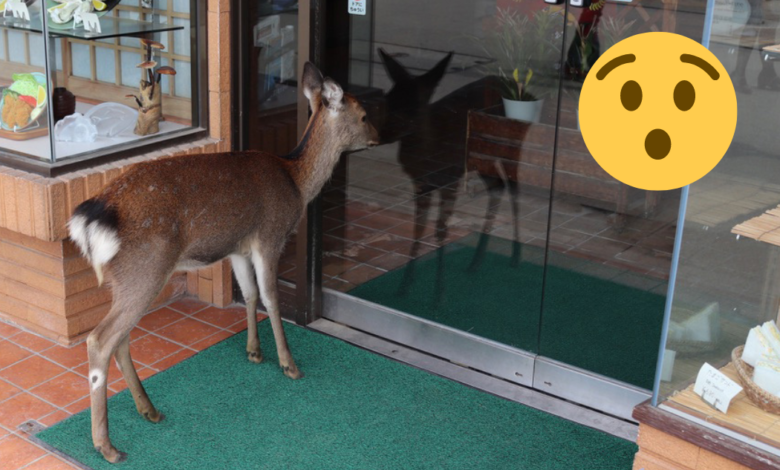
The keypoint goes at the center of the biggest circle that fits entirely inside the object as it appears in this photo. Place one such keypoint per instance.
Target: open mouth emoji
(659, 111)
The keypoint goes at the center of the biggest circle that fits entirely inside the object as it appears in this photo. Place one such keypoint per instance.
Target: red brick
(31, 372)
(63, 390)
(9, 199)
(21, 408)
(16, 452)
(187, 331)
(24, 206)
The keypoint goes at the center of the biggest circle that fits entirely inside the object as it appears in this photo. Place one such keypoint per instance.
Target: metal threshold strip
(496, 386)
(488, 357)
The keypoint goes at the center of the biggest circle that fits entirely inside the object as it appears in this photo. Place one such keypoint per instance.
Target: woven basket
(760, 397)
(689, 347)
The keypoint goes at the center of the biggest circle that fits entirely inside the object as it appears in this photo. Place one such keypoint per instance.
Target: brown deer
(188, 212)
(433, 136)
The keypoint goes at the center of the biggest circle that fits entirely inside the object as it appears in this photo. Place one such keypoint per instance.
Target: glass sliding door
(482, 230)
(610, 245)
(445, 224)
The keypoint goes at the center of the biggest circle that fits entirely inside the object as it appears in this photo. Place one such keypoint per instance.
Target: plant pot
(528, 111)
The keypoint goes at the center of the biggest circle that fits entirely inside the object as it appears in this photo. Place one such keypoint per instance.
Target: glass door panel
(447, 221)
(269, 93)
(610, 245)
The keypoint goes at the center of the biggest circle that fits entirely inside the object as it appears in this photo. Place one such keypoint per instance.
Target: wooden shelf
(764, 228)
(111, 26)
(743, 417)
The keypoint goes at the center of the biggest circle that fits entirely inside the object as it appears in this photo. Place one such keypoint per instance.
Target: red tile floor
(45, 382)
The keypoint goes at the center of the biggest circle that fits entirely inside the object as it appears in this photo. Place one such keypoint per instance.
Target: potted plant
(587, 46)
(524, 52)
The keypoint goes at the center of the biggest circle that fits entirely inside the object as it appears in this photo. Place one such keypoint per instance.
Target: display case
(83, 79)
(727, 275)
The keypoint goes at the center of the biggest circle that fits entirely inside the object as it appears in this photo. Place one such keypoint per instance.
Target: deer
(187, 212)
(420, 127)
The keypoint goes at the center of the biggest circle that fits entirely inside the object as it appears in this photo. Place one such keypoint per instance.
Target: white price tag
(715, 388)
(357, 7)
(91, 22)
(18, 8)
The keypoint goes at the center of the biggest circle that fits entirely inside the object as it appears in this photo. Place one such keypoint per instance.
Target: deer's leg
(447, 198)
(242, 267)
(514, 193)
(422, 204)
(495, 189)
(126, 366)
(132, 296)
(266, 266)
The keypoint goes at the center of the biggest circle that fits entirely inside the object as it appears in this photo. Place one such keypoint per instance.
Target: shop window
(71, 95)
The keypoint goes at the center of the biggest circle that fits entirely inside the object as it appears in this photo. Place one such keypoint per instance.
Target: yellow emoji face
(658, 111)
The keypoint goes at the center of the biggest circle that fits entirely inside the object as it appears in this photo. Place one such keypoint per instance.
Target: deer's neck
(312, 162)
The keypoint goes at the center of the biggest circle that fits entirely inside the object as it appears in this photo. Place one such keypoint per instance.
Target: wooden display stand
(764, 228)
(524, 153)
(744, 417)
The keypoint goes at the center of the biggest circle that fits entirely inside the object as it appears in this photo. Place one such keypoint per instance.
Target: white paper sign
(357, 7)
(18, 8)
(715, 388)
(91, 22)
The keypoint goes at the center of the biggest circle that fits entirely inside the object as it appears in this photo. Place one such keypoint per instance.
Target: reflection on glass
(433, 221)
(484, 210)
(271, 92)
(610, 244)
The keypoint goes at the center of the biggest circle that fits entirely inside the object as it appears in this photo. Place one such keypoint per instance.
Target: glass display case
(82, 79)
(727, 277)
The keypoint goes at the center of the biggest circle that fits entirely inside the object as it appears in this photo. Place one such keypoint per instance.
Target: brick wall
(45, 285)
(661, 451)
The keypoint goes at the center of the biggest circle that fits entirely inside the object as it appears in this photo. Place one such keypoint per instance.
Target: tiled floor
(369, 225)
(45, 382)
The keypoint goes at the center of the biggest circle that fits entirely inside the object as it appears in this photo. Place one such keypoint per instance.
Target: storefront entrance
(478, 232)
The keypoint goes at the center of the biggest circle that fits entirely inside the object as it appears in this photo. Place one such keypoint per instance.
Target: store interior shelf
(764, 228)
(743, 418)
(111, 27)
(40, 147)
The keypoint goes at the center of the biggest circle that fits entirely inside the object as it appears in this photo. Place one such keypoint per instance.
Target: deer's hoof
(292, 372)
(111, 454)
(154, 416)
(254, 356)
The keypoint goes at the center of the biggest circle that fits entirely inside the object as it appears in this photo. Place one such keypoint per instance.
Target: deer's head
(338, 113)
(411, 93)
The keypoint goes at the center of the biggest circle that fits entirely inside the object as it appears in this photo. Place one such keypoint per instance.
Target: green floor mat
(589, 322)
(352, 410)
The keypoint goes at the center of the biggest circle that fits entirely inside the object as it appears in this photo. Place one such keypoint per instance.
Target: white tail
(191, 211)
(95, 234)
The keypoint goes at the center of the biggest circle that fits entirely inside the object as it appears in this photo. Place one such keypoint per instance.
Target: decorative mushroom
(164, 70)
(150, 98)
(149, 66)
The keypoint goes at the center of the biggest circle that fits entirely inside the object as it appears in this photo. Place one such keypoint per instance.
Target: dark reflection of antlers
(432, 143)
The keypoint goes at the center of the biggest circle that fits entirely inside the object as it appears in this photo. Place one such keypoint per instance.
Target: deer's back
(203, 206)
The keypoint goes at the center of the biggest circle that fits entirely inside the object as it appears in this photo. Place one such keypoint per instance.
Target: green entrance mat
(352, 410)
(595, 323)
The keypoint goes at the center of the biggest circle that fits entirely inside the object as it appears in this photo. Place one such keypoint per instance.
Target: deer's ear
(332, 95)
(396, 71)
(312, 85)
